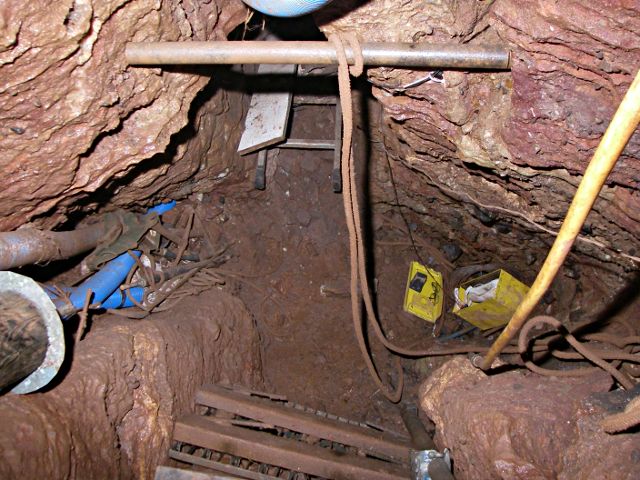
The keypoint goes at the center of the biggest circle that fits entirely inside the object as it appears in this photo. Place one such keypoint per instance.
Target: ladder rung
(303, 143)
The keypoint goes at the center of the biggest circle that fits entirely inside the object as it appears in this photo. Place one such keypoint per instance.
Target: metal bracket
(421, 459)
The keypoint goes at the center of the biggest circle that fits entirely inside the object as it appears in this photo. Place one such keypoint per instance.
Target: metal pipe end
(13, 283)
(476, 360)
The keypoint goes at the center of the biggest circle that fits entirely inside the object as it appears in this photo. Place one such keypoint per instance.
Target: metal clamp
(422, 459)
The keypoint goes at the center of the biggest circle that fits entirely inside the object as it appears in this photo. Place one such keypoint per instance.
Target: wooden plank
(268, 115)
(369, 440)
(290, 454)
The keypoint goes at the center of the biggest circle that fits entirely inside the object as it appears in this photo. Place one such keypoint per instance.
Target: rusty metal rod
(317, 53)
(438, 468)
(420, 439)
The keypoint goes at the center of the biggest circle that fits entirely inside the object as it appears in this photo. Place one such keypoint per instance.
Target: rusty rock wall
(112, 414)
(519, 425)
(509, 147)
(75, 119)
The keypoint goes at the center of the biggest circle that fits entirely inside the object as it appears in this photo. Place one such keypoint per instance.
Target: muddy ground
(291, 259)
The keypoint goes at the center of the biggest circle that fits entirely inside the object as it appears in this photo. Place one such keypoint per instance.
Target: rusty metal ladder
(267, 122)
(263, 437)
(309, 144)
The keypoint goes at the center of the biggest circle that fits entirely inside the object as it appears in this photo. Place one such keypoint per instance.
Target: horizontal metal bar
(369, 440)
(281, 452)
(320, 53)
(171, 473)
(303, 143)
(217, 466)
(314, 100)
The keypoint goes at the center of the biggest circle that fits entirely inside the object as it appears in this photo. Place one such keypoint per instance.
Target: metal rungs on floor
(263, 437)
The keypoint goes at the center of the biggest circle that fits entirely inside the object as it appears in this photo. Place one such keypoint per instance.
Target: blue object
(105, 282)
(102, 283)
(120, 299)
(457, 334)
(286, 8)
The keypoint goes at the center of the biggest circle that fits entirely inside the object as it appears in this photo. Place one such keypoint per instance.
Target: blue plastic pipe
(286, 8)
(106, 281)
(120, 299)
(457, 334)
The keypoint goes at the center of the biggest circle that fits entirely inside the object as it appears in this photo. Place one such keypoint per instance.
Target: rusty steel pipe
(391, 54)
(30, 246)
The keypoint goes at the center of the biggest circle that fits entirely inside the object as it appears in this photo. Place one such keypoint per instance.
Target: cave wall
(494, 158)
(110, 413)
(526, 426)
(80, 129)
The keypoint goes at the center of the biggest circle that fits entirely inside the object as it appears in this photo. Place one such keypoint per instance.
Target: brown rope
(611, 354)
(356, 244)
(351, 207)
(581, 348)
(359, 276)
(623, 420)
(184, 243)
(84, 314)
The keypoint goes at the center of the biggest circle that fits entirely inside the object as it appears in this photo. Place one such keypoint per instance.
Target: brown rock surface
(112, 414)
(521, 425)
(592, 454)
(74, 117)
(512, 144)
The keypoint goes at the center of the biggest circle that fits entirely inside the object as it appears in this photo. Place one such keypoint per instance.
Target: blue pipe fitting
(105, 282)
(286, 8)
(162, 208)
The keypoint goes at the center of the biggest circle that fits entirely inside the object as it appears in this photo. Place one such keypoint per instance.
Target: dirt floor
(291, 259)
(290, 266)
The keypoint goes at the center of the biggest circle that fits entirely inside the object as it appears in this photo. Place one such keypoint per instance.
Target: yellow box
(423, 296)
(495, 311)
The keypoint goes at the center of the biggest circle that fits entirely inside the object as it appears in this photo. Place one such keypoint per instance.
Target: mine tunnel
(357, 239)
